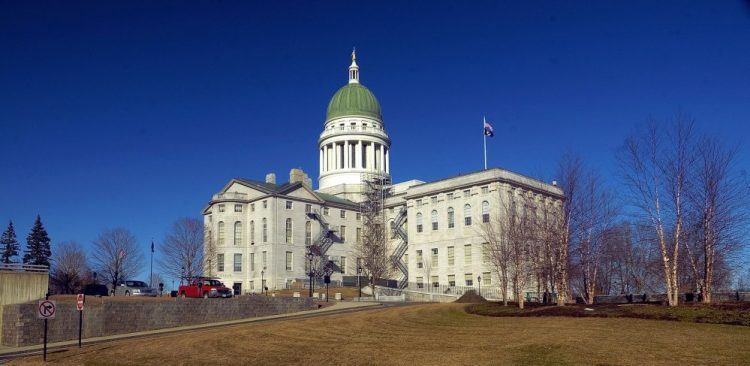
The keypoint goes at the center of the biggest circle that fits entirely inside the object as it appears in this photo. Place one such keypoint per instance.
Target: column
(320, 162)
(388, 160)
(382, 158)
(346, 154)
(358, 155)
(371, 156)
(336, 151)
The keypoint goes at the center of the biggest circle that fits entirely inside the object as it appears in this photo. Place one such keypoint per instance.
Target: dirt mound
(471, 297)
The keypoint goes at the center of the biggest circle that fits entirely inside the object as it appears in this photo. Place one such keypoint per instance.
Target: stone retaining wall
(20, 326)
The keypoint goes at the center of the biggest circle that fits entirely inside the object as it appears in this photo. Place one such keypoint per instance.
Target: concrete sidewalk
(335, 308)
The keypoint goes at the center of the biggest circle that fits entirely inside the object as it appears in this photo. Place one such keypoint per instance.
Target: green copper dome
(353, 100)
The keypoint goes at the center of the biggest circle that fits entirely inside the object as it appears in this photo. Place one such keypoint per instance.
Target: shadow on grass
(725, 313)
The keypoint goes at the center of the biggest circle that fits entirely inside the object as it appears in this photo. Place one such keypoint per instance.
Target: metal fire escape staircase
(326, 237)
(399, 232)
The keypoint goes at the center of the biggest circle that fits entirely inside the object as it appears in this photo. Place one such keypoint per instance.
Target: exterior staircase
(399, 232)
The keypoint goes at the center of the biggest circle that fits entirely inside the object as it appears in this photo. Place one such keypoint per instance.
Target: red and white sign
(46, 309)
(79, 302)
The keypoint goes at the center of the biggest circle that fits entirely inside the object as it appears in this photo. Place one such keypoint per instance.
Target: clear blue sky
(133, 114)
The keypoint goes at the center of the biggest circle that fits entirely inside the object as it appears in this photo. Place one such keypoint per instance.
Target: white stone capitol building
(259, 229)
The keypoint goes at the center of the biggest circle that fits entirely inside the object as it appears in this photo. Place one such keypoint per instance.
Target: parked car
(95, 289)
(135, 288)
(204, 287)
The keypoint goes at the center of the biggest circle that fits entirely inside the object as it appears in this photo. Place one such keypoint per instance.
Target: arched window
(451, 218)
(308, 233)
(467, 214)
(419, 222)
(252, 232)
(485, 211)
(221, 232)
(288, 231)
(238, 233)
(265, 230)
(434, 219)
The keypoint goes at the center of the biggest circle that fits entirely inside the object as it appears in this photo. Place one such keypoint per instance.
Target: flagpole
(485, 142)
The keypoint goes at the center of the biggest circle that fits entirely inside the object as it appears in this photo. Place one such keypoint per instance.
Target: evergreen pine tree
(8, 244)
(37, 245)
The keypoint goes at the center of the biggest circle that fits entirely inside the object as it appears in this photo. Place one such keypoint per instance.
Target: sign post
(80, 299)
(46, 310)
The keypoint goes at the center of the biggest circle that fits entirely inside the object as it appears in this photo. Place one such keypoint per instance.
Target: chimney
(299, 176)
(271, 178)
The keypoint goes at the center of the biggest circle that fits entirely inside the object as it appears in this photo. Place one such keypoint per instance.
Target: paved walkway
(335, 308)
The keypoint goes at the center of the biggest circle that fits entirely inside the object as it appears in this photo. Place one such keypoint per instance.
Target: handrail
(23, 267)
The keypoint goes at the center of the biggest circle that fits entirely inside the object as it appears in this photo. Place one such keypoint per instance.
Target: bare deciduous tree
(182, 249)
(655, 165)
(69, 268)
(117, 256)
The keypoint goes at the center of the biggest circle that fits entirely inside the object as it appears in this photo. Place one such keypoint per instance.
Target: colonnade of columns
(354, 155)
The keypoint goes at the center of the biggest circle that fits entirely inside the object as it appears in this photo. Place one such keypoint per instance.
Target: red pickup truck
(204, 287)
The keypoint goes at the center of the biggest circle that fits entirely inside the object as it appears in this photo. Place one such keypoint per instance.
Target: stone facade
(102, 318)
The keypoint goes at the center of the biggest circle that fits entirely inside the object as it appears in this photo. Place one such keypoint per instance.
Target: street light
(479, 282)
(182, 274)
(310, 257)
(359, 276)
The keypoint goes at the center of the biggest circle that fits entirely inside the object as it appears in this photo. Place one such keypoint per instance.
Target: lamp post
(310, 257)
(359, 275)
(479, 282)
(182, 274)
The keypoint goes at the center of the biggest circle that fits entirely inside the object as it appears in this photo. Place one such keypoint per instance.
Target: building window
(419, 222)
(451, 256)
(342, 214)
(342, 233)
(420, 282)
(451, 218)
(449, 196)
(487, 278)
(308, 233)
(288, 231)
(237, 208)
(221, 233)
(252, 262)
(435, 281)
(252, 232)
(433, 200)
(486, 253)
(264, 259)
(359, 215)
(419, 203)
(359, 235)
(485, 211)
(220, 262)
(288, 261)
(467, 193)
(221, 207)
(467, 254)
(343, 264)
(252, 207)
(419, 259)
(434, 259)
(468, 279)
(265, 230)
(451, 280)
(434, 219)
(325, 211)
(485, 190)
(252, 285)
(237, 262)
(308, 208)
(467, 214)
(288, 205)
(238, 233)
(265, 204)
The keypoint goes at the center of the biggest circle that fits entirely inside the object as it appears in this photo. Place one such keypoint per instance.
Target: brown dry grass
(432, 334)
